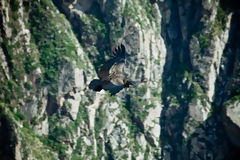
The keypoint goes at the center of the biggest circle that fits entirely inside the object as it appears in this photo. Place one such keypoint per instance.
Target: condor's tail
(95, 85)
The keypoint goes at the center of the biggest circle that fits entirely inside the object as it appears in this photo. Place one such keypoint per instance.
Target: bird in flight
(111, 77)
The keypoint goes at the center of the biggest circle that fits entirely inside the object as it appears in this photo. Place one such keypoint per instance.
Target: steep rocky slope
(184, 55)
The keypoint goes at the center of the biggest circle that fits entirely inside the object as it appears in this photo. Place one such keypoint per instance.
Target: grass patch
(204, 41)
(19, 116)
(220, 22)
(232, 100)
(52, 40)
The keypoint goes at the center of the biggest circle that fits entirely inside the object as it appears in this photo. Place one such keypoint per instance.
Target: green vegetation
(125, 114)
(14, 15)
(82, 117)
(14, 4)
(67, 105)
(141, 91)
(146, 153)
(219, 25)
(28, 85)
(52, 41)
(196, 91)
(220, 22)
(138, 108)
(116, 32)
(132, 11)
(29, 64)
(76, 155)
(11, 91)
(204, 41)
(134, 130)
(211, 112)
(55, 46)
(232, 100)
(100, 120)
(98, 27)
(149, 8)
(174, 100)
(56, 136)
(94, 30)
(19, 116)
(33, 146)
(100, 152)
(14, 59)
(81, 154)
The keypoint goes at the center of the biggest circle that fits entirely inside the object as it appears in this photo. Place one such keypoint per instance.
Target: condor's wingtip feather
(119, 51)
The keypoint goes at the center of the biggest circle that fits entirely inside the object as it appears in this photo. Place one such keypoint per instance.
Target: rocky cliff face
(184, 55)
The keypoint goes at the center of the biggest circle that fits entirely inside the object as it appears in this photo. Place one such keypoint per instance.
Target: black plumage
(111, 75)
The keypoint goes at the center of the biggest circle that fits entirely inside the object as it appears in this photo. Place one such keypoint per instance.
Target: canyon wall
(183, 56)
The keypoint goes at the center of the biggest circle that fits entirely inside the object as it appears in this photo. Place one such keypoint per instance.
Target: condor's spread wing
(113, 66)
